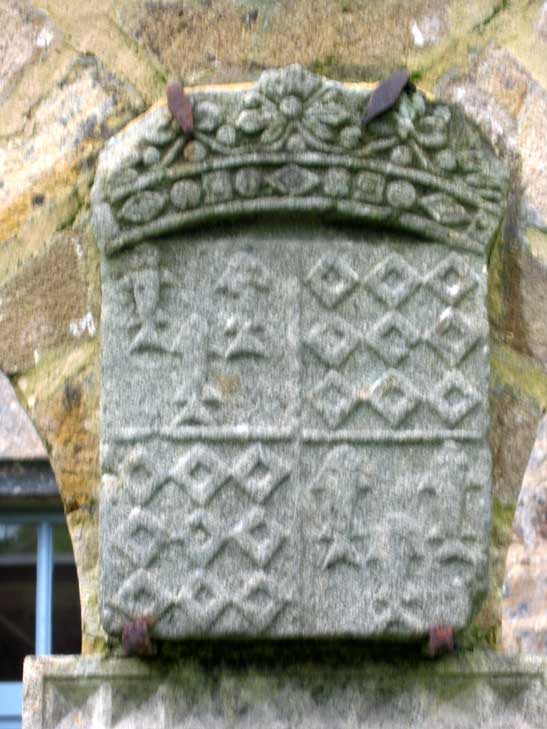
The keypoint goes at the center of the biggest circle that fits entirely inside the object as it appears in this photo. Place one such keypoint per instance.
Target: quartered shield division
(295, 365)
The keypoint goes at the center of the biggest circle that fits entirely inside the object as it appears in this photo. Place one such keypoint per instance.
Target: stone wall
(72, 74)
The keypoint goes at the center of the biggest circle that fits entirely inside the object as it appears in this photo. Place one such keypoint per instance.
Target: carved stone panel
(490, 691)
(294, 408)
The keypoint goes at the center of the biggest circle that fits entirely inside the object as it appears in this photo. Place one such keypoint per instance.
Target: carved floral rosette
(295, 144)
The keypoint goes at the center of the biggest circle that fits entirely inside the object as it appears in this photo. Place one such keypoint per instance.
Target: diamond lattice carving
(146, 535)
(392, 338)
(393, 397)
(204, 599)
(258, 537)
(204, 538)
(452, 337)
(259, 472)
(333, 399)
(452, 279)
(332, 341)
(201, 472)
(260, 601)
(140, 591)
(140, 476)
(332, 279)
(453, 398)
(393, 280)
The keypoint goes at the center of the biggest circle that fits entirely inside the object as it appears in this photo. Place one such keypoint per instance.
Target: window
(39, 600)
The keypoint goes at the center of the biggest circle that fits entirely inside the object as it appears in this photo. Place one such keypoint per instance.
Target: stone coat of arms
(295, 365)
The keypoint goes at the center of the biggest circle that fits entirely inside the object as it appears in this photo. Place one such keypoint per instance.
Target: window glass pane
(66, 599)
(17, 597)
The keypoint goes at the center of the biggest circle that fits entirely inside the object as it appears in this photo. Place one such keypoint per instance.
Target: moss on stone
(485, 629)
(521, 372)
(537, 243)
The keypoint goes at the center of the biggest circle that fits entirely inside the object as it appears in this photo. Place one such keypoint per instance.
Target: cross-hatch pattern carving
(332, 279)
(392, 337)
(393, 280)
(205, 599)
(332, 340)
(248, 368)
(333, 399)
(203, 536)
(208, 476)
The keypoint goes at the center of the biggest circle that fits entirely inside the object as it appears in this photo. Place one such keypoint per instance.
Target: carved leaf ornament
(295, 142)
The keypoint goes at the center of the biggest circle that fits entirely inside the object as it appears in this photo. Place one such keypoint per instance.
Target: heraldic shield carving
(295, 365)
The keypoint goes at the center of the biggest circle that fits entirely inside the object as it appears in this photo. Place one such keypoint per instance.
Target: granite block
(295, 365)
(482, 690)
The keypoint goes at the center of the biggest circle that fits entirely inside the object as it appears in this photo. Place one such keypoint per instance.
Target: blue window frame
(11, 692)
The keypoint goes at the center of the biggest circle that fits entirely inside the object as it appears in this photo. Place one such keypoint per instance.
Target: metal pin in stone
(180, 106)
(440, 641)
(136, 639)
(385, 95)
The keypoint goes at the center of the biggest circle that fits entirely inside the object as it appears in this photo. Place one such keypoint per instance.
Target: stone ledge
(479, 689)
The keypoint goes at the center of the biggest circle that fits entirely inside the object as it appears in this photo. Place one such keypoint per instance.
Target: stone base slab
(479, 690)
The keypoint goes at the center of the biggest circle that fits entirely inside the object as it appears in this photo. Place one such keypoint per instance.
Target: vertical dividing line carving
(300, 498)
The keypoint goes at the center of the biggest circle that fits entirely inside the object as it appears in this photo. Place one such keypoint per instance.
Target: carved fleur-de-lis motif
(450, 477)
(244, 272)
(196, 397)
(144, 284)
(246, 336)
(244, 278)
(337, 488)
(393, 557)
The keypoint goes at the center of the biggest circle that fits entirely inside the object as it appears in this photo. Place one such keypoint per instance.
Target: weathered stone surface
(541, 23)
(498, 91)
(485, 690)
(532, 147)
(27, 32)
(18, 438)
(140, 43)
(58, 278)
(510, 106)
(279, 472)
(428, 29)
(524, 617)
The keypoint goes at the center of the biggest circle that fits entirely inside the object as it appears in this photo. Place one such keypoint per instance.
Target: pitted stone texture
(294, 415)
(487, 691)
(524, 619)
(18, 439)
(296, 143)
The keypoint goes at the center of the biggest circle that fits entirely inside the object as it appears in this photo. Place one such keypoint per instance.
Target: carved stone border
(295, 144)
(487, 690)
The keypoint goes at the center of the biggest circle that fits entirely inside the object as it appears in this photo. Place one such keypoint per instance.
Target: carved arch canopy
(294, 414)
